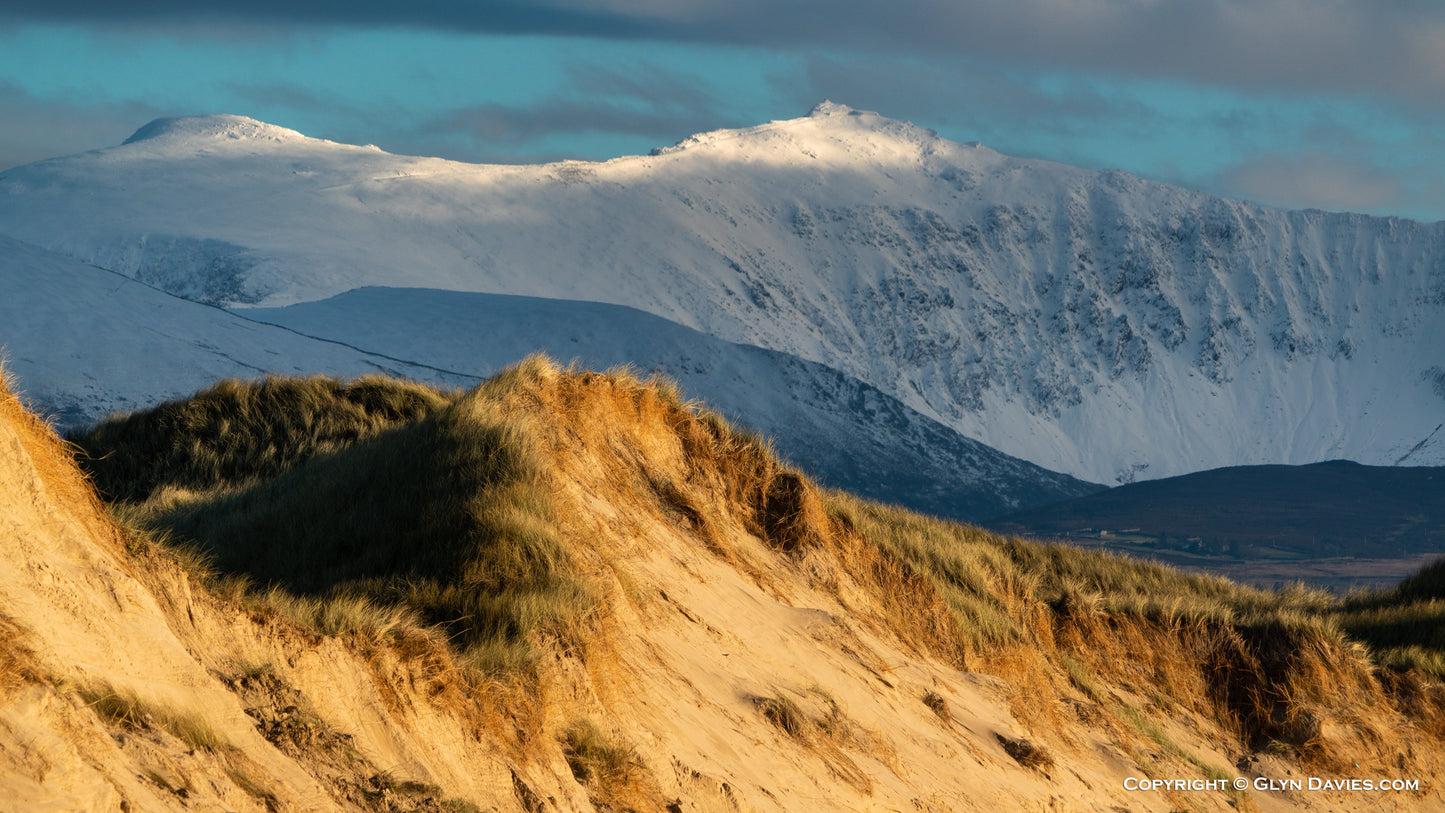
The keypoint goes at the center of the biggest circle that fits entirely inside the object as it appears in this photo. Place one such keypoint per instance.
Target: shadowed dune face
(575, 591)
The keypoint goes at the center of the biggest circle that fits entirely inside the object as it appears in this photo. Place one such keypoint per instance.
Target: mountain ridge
(844, 432)
(72, 343)
(1088, 321)
(1336, 508)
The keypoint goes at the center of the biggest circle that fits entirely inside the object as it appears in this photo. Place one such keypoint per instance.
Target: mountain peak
(827, 117)
(827, 108)
(220, 126)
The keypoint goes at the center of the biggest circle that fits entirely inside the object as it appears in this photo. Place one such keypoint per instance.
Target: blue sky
(1336, 104)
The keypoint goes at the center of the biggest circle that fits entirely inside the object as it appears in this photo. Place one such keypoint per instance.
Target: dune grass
(1404, 625)
(407, 507)
(415, 510)
(238, 432)
(987, 580)
(1270, 666)
(18, 663)
(126, 709)
(596, 757)
(610, 769)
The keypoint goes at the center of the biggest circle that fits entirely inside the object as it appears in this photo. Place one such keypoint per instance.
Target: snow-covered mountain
(845, 432)
(1090, 322)
(82, 342)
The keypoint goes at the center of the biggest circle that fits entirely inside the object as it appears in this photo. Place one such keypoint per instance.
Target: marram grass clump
(413, 499)
(126, 709)
(994, 585)
(238, 432)
(1405, 624)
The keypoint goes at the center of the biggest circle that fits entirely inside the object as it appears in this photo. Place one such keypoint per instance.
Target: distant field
(1339, 575)
(1337, 524)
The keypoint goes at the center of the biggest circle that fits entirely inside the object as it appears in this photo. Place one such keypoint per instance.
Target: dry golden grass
(126, 709)
(53, 461)
(18, 665)
(825, 730)
(462, 535)
(1028, 754)
(1272, 667)
(443, 520)
(937, 704)
(610, 770)
(658, 454)
(236, 432)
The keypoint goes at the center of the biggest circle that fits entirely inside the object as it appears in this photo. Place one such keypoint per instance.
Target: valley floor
(1339, 575)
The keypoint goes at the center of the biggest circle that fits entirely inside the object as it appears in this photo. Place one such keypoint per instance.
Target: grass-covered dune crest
(577, 590)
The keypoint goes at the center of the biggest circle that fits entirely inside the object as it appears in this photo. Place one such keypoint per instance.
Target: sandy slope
(91, 622)
(705, 622)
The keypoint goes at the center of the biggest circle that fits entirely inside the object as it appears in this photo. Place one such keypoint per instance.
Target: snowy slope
(846, 433)
(82, 342)
(1091, 322)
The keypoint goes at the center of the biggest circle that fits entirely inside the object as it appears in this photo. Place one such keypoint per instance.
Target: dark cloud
(956, 91)
(1392, 47)
(1334, 182)
(1366, 157)
(644, 82)
(1313, 180)
(516, 124)
(484, 15)
(294, 97)
(33, 129)
(641, 99)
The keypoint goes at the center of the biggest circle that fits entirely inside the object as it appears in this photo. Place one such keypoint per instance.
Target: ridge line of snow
(1087, 320)
(423, 365)
(240, 314)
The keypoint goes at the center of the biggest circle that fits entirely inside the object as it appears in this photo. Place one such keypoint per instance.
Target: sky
(1332, 104)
